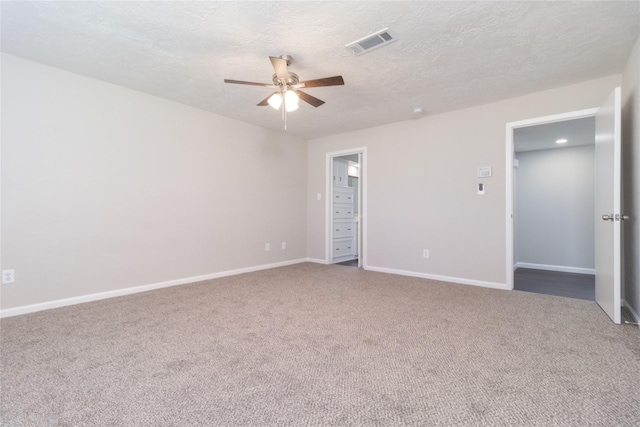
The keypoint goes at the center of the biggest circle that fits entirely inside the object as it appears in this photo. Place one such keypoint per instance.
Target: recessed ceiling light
(418, 110)
(561, 141)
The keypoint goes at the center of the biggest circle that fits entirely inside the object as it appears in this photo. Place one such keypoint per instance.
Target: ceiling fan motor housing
(290, 80)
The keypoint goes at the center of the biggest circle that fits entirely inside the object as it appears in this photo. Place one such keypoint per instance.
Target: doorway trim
(510, 156)
(362, 222)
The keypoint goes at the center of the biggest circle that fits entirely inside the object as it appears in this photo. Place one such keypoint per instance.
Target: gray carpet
(323, 346)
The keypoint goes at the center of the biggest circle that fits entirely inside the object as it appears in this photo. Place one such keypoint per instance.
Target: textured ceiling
(450, 55)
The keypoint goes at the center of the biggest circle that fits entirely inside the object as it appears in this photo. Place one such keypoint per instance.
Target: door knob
(607, 217)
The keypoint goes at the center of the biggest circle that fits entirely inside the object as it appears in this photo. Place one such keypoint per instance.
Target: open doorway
(554, 208)
(607, 201)
(346, 206)
(535, 190)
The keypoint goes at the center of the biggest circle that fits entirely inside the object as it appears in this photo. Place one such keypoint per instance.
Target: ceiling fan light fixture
(275, 100)
(291, 97)
(291, 107)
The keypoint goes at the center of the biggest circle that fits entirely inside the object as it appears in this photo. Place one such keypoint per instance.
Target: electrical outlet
(284, 245)
(425, 253)
(267, 247)
(8, 276)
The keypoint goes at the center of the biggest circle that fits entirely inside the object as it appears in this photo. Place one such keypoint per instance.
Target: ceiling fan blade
(266, 100)
(309, 99)
(327, 81)
(240, 82)
(280, 67)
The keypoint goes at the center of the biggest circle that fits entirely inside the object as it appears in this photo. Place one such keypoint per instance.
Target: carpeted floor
(324, 346)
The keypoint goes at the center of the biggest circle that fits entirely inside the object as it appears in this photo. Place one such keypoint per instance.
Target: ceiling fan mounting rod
(287, 58)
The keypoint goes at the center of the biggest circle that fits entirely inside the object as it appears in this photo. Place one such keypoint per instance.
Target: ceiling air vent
(371, 42)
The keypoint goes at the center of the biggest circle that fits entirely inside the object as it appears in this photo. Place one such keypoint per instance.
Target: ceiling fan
(288, 85)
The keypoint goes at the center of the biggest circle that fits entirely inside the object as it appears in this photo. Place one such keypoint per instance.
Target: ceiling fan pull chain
(284, 113)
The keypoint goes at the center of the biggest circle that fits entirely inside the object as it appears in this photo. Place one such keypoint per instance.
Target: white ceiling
(450, 55)
(543, 137)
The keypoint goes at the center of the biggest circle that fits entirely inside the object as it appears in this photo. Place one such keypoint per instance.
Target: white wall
(105, 188)
(422, 185)
(555, 208)
(631, 177)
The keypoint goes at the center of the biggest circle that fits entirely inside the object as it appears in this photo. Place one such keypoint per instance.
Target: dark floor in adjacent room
(570, 285)
(350, 263)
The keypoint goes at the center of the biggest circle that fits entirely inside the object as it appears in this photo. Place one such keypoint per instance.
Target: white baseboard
(316, 260)
(561, 268)
(458, 280)
(32, 308)
(633, 312)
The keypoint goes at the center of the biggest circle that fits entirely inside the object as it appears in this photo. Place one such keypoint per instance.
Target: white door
(608, 242)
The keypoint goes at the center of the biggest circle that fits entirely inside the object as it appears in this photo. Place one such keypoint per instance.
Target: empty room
(279, 213)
